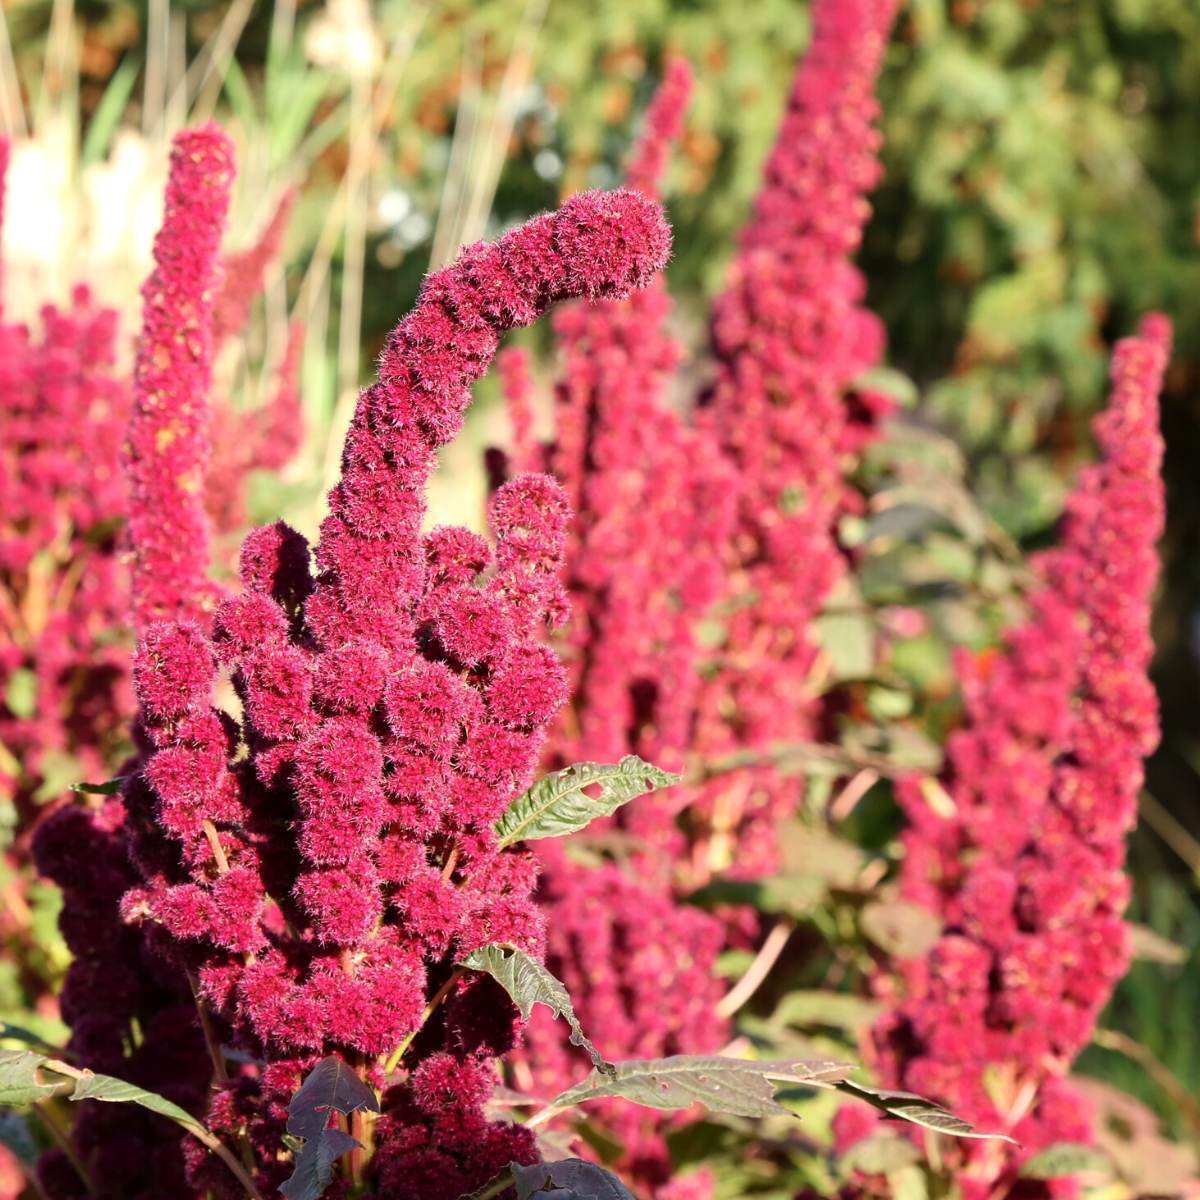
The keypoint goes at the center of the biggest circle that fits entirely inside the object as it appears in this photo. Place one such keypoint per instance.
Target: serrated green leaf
(528, 983)
(117, 1091)
(740, 1087)
(1066, 1158)
(568, 1179)
(907, 1106)
(559, 804)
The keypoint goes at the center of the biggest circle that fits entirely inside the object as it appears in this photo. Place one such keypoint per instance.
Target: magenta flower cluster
(63, 675)
(1022, 858)
(791, 338)
(64, 500)
(316, 867)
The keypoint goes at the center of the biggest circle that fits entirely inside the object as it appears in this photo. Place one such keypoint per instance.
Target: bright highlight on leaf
(528, 983)
(560, 804)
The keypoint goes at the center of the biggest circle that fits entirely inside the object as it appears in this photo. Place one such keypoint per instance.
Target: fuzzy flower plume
(64, 680)
(790, 337)
(168, 432)
(320, 864)
(1023, 861)
(654, 504)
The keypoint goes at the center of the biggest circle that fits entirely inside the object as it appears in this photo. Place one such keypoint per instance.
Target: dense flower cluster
(1023, 855)
(317, 866)
(790, 337)
(655, 504)
(63, 676)
(663, 506)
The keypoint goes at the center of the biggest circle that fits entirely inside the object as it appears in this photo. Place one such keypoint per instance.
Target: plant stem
(767, 956)
(394, 1060)
(214, 842)
(62, 1139)
(799, 754)
(500, 1184)
(1120, 1043)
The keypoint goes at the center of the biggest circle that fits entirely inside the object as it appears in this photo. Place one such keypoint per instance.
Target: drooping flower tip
(612, 242)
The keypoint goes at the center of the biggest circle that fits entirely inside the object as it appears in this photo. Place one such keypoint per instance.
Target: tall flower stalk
(1021, 854)
(791, 337)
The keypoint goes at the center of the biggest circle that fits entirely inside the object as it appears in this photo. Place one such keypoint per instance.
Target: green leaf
(900, 927)
(21, 1078)
(834, 1010)
(906, 1106)
(790, 895)
(1153, 947)
(18, 1033)
(1067, 1158)
(737, 1086)
(20, 693)
(107, 115)
(27, 1077)
(528, 983)
(560, 803)
(117, 1091)
(331, 1086)
(569, 1179)
(111, 787)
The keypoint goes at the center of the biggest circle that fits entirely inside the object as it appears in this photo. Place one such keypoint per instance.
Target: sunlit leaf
(562, 802)
(740, 1087)
(528, 983)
